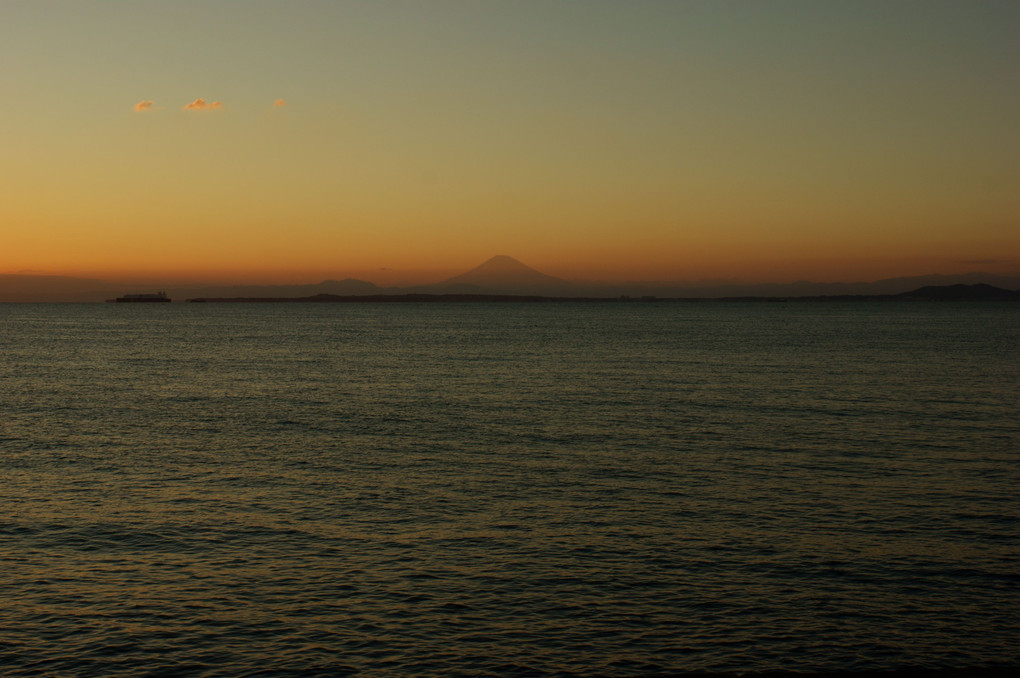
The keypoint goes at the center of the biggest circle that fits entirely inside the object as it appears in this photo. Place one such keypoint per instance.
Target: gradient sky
(618, 140)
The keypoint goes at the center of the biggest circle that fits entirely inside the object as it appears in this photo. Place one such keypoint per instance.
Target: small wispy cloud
(142, 106)
(279, 102)
(203, 105)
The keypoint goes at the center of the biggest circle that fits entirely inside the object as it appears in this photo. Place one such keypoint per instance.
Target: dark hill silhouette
(961, 292)
(965, 293)
(348, 286)
(718, 289)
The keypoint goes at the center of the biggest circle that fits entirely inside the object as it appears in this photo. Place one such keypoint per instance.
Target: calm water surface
(471, 489)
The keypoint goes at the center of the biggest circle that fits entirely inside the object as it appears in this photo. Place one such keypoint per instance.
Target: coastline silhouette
(503, 276)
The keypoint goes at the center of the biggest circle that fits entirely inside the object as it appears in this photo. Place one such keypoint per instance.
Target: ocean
(570, 489)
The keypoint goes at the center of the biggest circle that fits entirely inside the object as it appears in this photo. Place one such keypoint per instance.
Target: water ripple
(511, 491)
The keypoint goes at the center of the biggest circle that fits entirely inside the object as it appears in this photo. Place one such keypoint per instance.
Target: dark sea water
(504, 489)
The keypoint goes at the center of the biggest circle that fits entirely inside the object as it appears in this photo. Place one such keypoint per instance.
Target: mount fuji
(505, 275)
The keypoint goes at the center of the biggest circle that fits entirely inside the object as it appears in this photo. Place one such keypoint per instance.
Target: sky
(405, 141)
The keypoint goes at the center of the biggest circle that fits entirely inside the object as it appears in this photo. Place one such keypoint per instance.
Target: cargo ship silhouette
(143, 298)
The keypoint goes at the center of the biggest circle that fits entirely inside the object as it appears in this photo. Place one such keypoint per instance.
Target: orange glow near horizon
(746, 269)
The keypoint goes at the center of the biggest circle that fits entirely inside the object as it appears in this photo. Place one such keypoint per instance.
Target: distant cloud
(279, 102)
(203, 105)
(143, 106)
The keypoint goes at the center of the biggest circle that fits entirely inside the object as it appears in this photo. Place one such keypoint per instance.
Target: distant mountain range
(500, 275)
(967, 293)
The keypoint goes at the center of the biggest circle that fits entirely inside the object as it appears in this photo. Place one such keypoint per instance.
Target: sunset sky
(291, 141)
